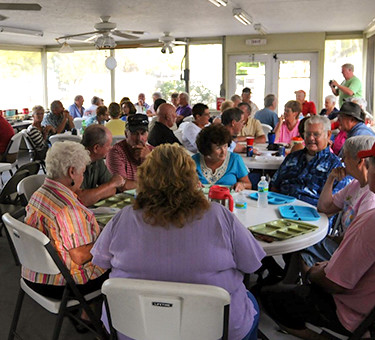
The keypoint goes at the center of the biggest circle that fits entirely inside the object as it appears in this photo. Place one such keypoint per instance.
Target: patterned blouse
(55, 210)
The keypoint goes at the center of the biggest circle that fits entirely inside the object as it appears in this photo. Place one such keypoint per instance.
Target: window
(148, 70)
(205, 73)
(21, 79)
(81, 72)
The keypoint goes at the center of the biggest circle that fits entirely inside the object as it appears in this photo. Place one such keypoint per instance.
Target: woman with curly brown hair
(172, 233)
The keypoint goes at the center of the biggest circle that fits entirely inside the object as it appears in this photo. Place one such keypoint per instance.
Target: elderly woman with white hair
(55, 210)
(329, 110)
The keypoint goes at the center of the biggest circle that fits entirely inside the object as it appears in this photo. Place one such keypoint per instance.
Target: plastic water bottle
(240, 202)
(262, 193)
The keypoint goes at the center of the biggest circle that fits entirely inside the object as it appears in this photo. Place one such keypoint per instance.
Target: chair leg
(60, 315)
(16, 314)
(12, 249)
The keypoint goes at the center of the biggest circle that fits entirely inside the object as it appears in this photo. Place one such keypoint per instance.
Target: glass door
(281, 74)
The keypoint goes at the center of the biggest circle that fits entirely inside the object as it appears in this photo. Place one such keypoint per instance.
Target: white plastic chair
(116, 139)
(78, 122)
(29, 185)
(144, 309)
(61, 137)
(266, 129)
(36, 252)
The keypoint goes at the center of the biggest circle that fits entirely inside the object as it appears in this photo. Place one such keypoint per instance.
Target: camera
(163, 49)
(330, 82)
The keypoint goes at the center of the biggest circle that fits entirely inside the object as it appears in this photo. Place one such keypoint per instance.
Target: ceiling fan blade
(124, 35)
(76, 35)
(134, 32)
(20, 7)
(93, 37)
(177, 42)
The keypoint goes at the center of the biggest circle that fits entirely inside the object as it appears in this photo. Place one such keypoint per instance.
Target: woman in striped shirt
(38, 133)
(55, 210)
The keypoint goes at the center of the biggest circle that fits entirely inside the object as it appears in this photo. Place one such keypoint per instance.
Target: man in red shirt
(6, 133)
(307, 107)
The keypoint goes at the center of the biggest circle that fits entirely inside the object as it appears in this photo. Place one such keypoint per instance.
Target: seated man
(100, 118)
(98, 183)
(115, 124)
(352, 201)
(184, 108)
(251, 127)
(341, 292)
(161, 132)
(268, 115)
(125, 156)
(233, 120)
(76, 110)
(304, 172)
(58, 118)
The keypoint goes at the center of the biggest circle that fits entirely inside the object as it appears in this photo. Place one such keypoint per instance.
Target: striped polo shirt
(55, 210)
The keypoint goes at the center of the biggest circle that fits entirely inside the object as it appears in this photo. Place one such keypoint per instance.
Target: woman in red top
(6, 133)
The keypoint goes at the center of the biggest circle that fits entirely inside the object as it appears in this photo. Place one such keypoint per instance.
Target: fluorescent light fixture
(21, 31)
(219, 3)
(260, 29)
(66, 48)
(242, 16)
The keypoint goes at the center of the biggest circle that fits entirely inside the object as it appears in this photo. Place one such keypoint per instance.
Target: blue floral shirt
(305, 180)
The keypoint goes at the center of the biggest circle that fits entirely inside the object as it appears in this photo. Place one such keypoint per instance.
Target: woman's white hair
(331, 98)
(63, 155)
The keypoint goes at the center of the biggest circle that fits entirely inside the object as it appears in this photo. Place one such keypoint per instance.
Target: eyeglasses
(316, 135)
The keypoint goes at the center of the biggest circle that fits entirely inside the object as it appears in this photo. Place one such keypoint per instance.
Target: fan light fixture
(66, 48)
(21, 31)
(219, 3)
(167, 47)
(105, 41)
(242, 16)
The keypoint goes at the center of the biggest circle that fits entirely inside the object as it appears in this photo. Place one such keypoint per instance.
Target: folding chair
(9, 159)
(34, 154)
(61, 137)
(37, 253)
(266, 129)
(11, 203)
(143, 309)
(27, 186)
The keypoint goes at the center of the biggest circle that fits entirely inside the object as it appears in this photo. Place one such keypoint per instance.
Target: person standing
(350, 87)
(76, 110)
(246, 96)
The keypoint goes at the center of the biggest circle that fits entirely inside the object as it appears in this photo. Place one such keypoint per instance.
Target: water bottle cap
(263, 178)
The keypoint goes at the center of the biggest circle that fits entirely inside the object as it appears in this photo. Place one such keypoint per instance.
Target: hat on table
(353, 110)
(137, 121)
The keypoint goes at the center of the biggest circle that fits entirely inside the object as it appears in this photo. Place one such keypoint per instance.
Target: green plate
(118, 201)
(282, 229)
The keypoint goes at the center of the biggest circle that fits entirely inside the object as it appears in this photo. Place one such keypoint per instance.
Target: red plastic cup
(249, 141)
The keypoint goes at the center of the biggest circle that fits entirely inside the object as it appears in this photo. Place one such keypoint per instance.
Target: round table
(265, 161)
(254, 215)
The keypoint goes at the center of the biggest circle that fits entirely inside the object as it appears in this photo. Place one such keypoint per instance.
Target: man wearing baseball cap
(307, 107)
(352, 118)
(245, 96)
(125, 156)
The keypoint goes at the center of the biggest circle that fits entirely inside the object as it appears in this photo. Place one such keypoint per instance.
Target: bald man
(161, 133)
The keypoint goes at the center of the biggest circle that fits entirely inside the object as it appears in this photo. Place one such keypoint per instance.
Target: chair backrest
(29, 185)
(61, 137)
(11, 187)
(78, 122)
(15, 143)
(116, 139)
(144, 309)
(30, 246)
(29, 143)
(33, 167)
(266, 129)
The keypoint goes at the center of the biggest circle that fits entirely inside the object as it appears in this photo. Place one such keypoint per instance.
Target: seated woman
(215, 165)
(172, 233)
(100, 118)
(329, 107)
(55, 210)
(127, 108)
(39, 134)
(287, 127)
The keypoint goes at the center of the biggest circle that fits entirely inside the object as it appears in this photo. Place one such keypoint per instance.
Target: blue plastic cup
(271, 138)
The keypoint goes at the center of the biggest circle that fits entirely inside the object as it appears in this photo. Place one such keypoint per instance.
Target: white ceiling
(186, 18)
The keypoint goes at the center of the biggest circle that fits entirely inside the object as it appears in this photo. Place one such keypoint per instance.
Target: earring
(73, 183)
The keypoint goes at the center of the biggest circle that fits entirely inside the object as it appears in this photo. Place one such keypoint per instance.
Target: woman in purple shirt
(172, 233)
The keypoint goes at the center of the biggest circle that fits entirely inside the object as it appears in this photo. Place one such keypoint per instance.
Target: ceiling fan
(7, 6)
(103, 34)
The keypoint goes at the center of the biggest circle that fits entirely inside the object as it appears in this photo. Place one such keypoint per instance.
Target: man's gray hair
(94, 134)
(95, 100)
(357, 143)
(331, 98)
(78, 97)
(269, 99)
(348, 66)
(55, 104)
(316, 119)
(185, 95)
(157, 95)
(63, 155)
(235, 97)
